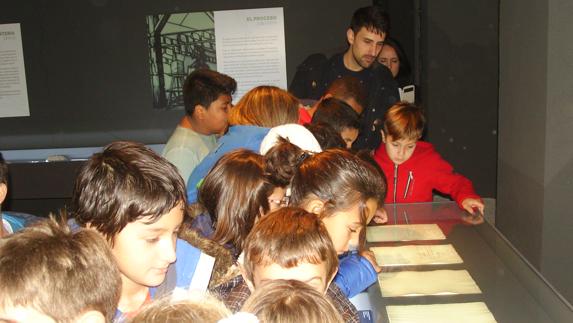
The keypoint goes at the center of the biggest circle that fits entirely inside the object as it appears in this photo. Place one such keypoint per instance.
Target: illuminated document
(441, 313)
(404, 232)
(421, 283)
(416, 255)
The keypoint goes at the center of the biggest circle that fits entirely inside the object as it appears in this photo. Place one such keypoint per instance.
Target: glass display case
(439, 268)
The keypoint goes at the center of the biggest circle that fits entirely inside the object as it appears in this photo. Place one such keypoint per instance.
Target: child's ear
(199, 112)
(91, 317)
(315, 206)
(383, 136)
(3, 192)
(246, 277)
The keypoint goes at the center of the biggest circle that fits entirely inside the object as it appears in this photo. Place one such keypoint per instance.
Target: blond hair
(287, 301)
(265, 106)
(59, 273)
(404, 120)
(288, 237)
(195, 307)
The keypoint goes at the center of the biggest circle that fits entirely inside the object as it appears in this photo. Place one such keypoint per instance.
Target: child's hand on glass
(369, 255)
(475, 207)
(380, 217)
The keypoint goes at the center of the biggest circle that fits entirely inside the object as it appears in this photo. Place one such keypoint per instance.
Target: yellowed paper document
(416, 255)
(434, 282)
(404, 232)
(441, 313)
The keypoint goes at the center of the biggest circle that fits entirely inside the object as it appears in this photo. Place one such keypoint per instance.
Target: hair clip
(302, 157)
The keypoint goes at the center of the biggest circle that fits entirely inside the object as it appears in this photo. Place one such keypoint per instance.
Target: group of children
(263, 204)
(130, 239)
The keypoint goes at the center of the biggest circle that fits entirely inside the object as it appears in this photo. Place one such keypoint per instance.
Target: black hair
(372, 18)
(326, 136)
(336, 113)
(203, 86)
(404, 74)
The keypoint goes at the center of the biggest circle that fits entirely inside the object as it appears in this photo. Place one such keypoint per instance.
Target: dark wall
(535, 183)
(87, 64)
(459, 84)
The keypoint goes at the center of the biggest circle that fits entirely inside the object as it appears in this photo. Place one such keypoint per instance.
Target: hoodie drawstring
(410, 179)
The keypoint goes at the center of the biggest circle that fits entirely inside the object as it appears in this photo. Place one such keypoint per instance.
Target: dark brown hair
(281, 163)
(288, 237)
(326, 136)
(287, 301)
(339, 179)
(124, 183)
(59, 273)
(203, 86)
(348, 88)
(404, 120)
(233, 193)
(372, 18)
(336, 113)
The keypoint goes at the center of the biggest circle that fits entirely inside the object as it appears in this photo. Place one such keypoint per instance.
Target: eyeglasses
(279, 203)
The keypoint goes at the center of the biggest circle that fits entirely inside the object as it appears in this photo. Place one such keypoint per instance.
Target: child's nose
(168, 252)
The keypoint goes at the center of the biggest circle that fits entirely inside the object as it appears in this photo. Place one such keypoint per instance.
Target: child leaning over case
(344, 192)
(137, 200)
(413, 168)
(288, 243)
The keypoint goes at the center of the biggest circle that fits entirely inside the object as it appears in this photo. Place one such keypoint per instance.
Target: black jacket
(316, 73)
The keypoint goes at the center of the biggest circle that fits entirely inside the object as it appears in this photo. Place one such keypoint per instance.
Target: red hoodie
(423, 172)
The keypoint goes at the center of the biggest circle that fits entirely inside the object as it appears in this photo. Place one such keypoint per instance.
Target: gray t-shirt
(187, 148)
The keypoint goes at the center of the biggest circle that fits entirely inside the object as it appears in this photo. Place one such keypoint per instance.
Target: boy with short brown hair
(137, 200)
(413, 168)
(288, 243)
(49, 274)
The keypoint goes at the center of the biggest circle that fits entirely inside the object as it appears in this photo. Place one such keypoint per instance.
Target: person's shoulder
(248, 137)
(427, 156)
(182, 139)
(234, 293)
(223, 258)
(342, 303)
(15, 221)
(383, 75)
(335, 62)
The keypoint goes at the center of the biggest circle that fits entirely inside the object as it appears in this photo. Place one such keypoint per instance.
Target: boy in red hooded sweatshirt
(413, 168)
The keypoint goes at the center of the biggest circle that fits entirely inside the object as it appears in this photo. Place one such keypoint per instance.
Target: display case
(439, 268)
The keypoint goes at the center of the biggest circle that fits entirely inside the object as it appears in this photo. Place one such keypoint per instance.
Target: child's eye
(152, 240)
(352, 230)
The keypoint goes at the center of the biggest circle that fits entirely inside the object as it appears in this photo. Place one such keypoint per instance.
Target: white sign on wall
(13, 90)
